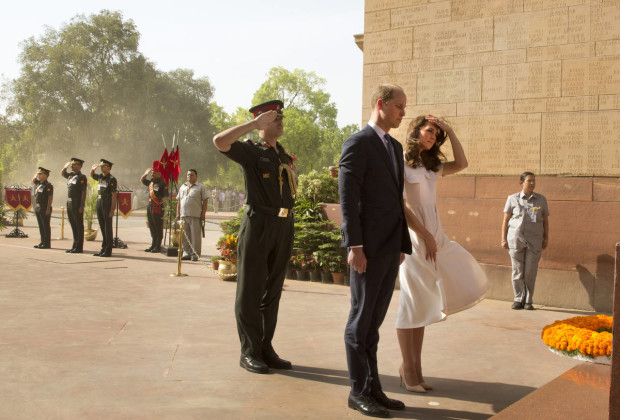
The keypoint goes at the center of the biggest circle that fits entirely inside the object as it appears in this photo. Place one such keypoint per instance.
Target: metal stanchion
(62, 223)
(179, 254)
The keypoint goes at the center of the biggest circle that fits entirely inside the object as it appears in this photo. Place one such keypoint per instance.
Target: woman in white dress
(440, 277)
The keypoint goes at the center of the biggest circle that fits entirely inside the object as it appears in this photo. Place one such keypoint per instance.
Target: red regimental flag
(165, 162)
(12, 198)
(175, 164)
(124, 203)
(25, 200)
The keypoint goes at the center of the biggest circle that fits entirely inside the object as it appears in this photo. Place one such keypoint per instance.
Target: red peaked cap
(157, 167)
(275, 105)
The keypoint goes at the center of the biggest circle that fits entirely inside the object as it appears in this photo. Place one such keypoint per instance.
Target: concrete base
(559, 288)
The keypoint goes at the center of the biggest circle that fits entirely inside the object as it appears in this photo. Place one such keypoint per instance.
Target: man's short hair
(384, 92)
(194, 171)
(524, 175)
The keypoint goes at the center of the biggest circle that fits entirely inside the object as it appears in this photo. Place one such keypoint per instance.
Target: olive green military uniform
(265, 241)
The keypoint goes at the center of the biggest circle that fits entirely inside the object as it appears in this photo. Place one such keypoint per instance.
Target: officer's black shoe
(528, 307)
(70, 251)
(389, 403)
(186, 258)
(517, 305)
(44, 246)
(275, 362)
(156, 250)
(98, 254)
(77, 251)
(37, 246)
(367, 406)
(105, 254)
(253, 364)
(149, 249)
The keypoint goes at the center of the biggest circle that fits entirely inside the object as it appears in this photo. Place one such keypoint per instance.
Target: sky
(233, 43)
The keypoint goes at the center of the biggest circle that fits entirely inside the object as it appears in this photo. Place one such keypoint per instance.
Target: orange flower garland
(589, 336)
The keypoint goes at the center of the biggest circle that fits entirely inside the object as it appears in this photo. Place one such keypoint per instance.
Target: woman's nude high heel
(412, 388)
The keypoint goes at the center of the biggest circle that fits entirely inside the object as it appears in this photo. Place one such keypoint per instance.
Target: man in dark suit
(375, 231)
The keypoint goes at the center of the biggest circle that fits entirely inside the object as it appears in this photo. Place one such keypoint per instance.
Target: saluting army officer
(76, 183)
(158, 193)
(43, 197)
(106, 204)
(266, 232)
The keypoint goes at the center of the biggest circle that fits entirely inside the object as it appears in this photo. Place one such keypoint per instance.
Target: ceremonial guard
(106, 204)
(266, 232)
(76, 184)
(43, 196)
(158, 193)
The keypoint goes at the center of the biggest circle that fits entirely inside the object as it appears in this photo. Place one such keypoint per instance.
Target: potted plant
(90, 209)
(215, 262)
(227, 268)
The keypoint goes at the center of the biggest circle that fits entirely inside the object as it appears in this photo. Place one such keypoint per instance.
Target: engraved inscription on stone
(609, 102)
(420, 15)
(591, 76)
(460, 85)
(561, 52)
(392, 45)
(520, 81)
(462, 37)
(378, 69)
(374, 5)
(500, 144)
(529, 5)
(484, 108)
(579, 24)
(604, 19)
(377, 21)
(472, 9)
(531, 29)
(563, 104)
(424, 64)
(581, 144)
(608, 47)
(492, 58)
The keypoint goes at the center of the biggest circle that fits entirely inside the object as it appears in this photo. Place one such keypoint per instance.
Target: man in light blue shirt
(525, 233)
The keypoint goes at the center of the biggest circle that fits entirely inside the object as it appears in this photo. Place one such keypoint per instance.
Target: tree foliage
(86, 90)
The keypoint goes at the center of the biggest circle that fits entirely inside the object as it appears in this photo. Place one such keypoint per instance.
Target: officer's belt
(273, 211)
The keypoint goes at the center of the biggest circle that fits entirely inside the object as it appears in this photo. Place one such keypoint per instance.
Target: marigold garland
(588, 335)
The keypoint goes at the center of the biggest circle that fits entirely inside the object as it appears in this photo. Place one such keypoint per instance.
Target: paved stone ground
(83, 337)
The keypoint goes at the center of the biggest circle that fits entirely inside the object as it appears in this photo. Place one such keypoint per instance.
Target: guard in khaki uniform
(266, 232)
(158, 193)
(43, 197)
(106, 204)
(76, 184)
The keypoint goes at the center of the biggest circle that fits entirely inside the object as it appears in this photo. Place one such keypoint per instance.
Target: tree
(86, 90)
(311, 132)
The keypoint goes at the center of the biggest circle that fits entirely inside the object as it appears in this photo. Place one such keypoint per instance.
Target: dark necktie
(388, 145)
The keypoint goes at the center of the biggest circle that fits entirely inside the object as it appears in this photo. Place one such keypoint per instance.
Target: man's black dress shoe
(389, 403)
(253, 364)
(98, 254)
(517, 305)
(105, 254)
(44, 246)
(367, 406)
(37, 246)
(149, 249)
(528, 307)
(186, 258)
(275, 362)
(77, 251)
(70, 251)
(156, 250)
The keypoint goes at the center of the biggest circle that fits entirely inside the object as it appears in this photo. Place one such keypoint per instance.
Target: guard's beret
(275, 105)
(105, 162)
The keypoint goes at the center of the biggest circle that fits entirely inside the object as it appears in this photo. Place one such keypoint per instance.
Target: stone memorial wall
(528, 85)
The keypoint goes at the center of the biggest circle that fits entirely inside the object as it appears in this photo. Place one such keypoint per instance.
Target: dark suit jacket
(371, 196)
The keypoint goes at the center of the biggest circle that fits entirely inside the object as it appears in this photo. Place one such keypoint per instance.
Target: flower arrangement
(227, 246)
(585, 336)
